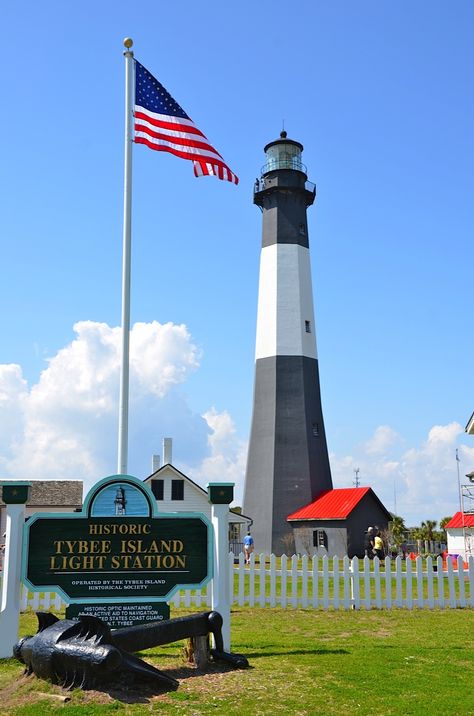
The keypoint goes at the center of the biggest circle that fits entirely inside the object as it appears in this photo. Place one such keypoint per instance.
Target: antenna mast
(356, 479)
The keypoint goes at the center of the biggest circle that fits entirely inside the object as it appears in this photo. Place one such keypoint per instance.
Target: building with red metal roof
(460, 534)
(336, 521)
(460, 520)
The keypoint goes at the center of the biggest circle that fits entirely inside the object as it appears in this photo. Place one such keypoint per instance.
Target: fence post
(335, 581)
(272, 580)
(355, 584)
(348, 588)
(460, 576)
(419, 582)
(262, 581)
(325, 582)
(304, 569)
(399, 582)
(284, 578)
(315, 573)
(15, 496)
(367, 597)
(388, 582)
(221, 495)
(430, 580)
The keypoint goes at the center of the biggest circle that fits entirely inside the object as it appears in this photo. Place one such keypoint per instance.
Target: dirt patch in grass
(27, 689)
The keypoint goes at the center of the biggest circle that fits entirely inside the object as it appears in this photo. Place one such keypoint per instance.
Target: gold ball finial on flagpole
(128, 42)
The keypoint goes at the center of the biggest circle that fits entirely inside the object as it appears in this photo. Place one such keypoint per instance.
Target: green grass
(302, 663)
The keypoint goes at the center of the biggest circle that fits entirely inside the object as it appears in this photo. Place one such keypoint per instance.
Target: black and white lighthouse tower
(288, 464)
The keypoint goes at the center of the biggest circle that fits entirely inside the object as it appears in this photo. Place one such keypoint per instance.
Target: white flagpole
(122, 465)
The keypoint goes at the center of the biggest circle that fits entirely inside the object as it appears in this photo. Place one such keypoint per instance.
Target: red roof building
(331, 504)
(460, 520)
(336, 521)
(460, 534)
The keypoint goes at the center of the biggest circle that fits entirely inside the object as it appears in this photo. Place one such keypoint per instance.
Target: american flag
(163, 125)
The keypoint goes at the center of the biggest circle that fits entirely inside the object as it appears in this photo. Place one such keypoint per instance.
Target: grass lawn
(375, 663)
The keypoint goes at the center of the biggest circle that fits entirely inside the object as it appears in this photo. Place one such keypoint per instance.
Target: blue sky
(381, 96)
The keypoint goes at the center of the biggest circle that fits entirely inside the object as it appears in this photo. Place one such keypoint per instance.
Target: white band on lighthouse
(285, 317)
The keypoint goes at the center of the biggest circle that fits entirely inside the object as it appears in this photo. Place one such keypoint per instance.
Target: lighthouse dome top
(283, 153)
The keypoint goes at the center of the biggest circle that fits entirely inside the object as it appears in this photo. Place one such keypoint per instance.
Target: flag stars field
(163, 125)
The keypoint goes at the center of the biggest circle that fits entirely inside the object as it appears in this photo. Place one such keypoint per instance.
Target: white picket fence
(322, 583)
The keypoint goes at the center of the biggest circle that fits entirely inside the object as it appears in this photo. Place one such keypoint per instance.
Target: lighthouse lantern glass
(283, 155)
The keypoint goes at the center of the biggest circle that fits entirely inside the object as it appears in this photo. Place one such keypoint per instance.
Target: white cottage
(176, 492)
(460, 533)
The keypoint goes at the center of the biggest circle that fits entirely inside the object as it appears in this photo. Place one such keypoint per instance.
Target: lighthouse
(288, 463)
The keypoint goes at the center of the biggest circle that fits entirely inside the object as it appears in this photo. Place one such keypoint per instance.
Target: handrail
(260, 185)
(293, 163)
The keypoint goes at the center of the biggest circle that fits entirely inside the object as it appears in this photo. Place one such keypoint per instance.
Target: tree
(418, 535)
(443, 522)
(397, 530)
(305, 539)
(428, 528)
(288, 542)
(443, 537)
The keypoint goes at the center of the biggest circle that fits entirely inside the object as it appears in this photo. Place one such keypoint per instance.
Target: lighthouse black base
(288, 463)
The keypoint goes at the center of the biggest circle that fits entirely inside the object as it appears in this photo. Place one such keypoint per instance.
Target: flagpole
(122, 463)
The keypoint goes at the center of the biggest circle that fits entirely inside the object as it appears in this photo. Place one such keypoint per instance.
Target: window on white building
(177, 489)
(157, 487)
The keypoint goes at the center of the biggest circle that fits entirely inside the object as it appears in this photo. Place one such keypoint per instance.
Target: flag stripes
(171, 130)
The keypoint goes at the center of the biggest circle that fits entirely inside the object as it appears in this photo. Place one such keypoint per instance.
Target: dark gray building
(288, 464)
(336, 522)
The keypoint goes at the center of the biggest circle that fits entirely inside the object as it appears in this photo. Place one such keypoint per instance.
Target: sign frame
(85, 514)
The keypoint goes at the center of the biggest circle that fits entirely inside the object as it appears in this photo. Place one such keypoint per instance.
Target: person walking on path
(378, 545)
(369, 543)
(248, 547)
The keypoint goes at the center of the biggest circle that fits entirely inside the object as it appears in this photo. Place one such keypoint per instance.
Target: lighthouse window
(316, 429)
(177, 489)
(307, 326)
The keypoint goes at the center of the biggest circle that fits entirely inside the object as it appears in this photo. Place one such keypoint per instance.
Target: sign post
(15, 496)
(221, 495)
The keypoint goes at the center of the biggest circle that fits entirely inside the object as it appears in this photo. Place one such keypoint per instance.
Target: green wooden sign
(106, 553)
(15, 493)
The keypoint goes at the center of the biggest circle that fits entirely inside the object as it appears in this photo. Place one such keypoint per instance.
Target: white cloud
(13, 396)
(66, 425)
(383, 438)
(227, 460)
(422, 480)
(161, 356)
